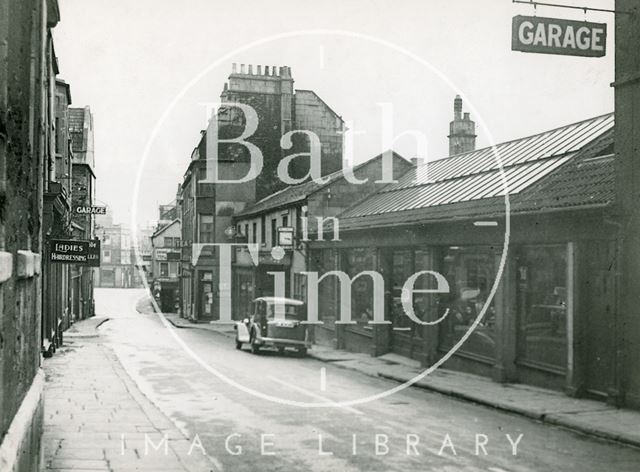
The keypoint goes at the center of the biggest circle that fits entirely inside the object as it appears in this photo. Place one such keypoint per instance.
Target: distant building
(117, 266)
(207, 209)
(142, 252)
(82, 195)
(280, 109)
(165, 267)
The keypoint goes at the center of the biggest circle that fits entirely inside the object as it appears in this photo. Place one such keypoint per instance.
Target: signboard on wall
(285, 237)
(558, 36)
(75, 251)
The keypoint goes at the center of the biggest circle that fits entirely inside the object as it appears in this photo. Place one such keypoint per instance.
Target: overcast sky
(129, 59)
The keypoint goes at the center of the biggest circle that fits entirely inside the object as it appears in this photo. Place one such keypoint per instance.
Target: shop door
(599, 306)
(205, 296)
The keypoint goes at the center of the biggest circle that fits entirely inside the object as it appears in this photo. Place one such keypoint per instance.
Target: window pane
(400, 271)
(323, 261)
(470, 272)
(358, 260)
(206, 229)
(542, 306)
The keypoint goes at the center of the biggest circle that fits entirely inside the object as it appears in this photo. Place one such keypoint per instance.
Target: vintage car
(268, 327)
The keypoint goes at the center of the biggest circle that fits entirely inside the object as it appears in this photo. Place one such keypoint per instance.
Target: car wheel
(238, 345)
(302, 351)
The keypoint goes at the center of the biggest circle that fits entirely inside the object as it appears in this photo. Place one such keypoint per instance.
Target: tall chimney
(462, 131)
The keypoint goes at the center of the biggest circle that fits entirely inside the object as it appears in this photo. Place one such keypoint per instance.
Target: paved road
(407, 431)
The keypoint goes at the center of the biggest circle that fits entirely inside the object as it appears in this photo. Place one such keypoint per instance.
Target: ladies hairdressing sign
(558, 36)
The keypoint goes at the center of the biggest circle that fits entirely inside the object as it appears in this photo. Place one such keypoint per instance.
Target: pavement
(97, 419)
(548, 406)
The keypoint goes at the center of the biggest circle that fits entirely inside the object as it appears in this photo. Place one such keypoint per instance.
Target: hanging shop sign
(558, 36)
(75, 251)
(90, 210)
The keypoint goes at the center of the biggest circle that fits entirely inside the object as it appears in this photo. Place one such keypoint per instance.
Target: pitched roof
(549, 170)
(164, 228)
(297, 193)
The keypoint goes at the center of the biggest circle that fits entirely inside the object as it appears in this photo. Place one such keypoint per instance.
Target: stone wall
(25, 143)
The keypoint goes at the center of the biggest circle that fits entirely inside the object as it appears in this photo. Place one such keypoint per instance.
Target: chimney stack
(462, 131)
(457, 107)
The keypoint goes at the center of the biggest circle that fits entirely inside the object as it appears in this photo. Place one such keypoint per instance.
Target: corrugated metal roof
(476, 175)
(297, 193)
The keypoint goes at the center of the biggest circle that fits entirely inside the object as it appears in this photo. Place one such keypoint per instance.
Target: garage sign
(558, 36)
(91, 210)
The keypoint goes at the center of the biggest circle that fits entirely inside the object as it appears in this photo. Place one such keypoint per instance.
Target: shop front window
(470, 272)
(401, 270)
(542, 307)
(358, 260)
(323, 261)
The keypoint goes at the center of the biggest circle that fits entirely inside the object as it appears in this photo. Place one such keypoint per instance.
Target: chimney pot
(274, 70)
(234, 67)
(266, 70)
(250, 69)
(259, 71)
(466, 117)
(242, 68)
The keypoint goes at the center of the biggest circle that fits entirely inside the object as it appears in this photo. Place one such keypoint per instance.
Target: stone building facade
(27, 87)
(82, 195)
(627, 215)
(207, 208)
(56, 301)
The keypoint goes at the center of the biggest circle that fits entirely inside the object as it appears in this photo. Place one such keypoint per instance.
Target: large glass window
(470, 272)
(357, 260)
(323, 261)
(401, 270)
(542, 306)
